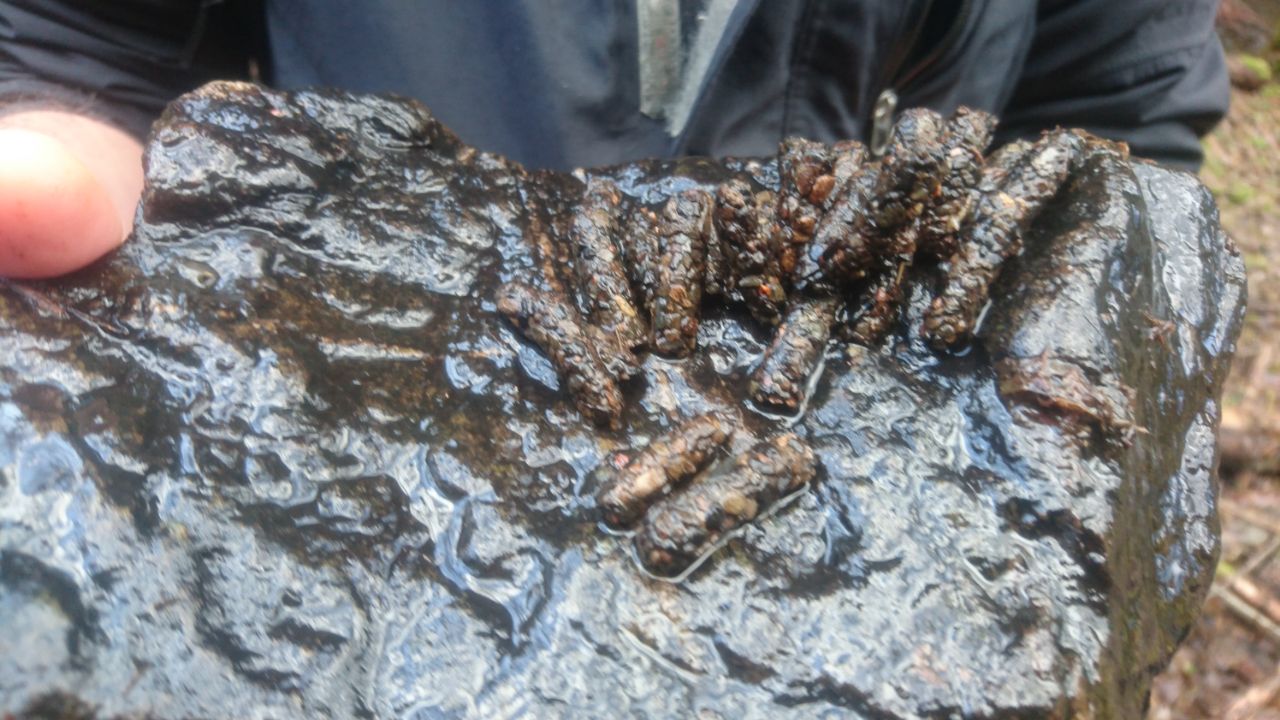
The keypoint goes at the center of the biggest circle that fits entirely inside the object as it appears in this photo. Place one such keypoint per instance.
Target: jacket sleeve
(121, 60)
(1147, 72)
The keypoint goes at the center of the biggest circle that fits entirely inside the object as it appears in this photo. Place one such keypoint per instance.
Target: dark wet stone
(281, 456)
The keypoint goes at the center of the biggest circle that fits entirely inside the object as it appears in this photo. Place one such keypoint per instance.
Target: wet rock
(281, 455)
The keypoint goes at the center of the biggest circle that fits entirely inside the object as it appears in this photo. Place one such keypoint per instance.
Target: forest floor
(1229, 666)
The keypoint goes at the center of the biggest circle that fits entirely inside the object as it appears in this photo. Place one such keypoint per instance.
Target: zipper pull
(882, 121)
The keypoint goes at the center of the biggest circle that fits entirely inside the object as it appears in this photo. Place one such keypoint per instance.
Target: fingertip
(55, 216)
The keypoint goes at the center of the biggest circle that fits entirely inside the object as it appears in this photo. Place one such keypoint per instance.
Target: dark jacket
(565, 83)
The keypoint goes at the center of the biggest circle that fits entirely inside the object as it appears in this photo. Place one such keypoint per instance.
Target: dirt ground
(1229, 666)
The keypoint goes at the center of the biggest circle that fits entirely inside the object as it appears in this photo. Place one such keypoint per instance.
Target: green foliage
(1240, 193)
(1257, 66)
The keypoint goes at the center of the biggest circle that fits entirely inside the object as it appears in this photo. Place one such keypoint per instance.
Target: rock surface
(279, 456)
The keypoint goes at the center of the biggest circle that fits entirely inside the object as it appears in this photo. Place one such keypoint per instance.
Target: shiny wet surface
(282, 454)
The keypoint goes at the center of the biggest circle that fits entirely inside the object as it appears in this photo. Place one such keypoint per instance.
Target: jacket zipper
(884, 111)
(949, 41)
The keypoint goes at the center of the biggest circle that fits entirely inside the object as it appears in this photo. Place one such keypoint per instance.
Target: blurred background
(1229, 666)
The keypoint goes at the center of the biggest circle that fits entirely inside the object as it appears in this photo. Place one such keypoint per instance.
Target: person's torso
(584, 82)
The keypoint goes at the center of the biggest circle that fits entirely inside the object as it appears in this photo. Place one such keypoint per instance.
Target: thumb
(55, 216)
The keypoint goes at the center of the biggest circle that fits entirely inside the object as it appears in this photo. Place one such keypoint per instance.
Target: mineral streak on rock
(551, 323)
(1060, 389)
(279, 455)
(602, 281)
(671, 458)
(683, 229)
(684, 526)
(794, 355)
(1015, 186)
